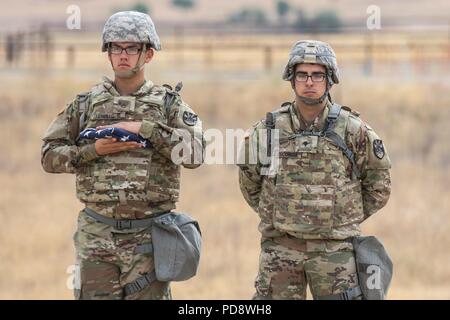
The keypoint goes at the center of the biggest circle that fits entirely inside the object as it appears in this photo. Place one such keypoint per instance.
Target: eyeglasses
(315, 76)
(129, 50)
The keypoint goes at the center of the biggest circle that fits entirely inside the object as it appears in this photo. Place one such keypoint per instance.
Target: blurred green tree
(251, 16)
(283, 8)
(326, 21)
(302, 22)
(184, 4)
(141, 7)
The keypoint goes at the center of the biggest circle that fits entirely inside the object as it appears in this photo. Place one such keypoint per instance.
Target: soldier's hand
(132, 126)
(111, 145)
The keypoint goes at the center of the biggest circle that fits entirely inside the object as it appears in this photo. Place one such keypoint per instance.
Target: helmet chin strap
(132, 72)
(317, 101)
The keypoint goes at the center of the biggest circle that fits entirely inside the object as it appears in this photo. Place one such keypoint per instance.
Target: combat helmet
(317, 52)
(131, 26)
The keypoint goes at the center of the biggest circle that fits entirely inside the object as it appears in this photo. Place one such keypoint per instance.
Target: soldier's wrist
(88, 153)
(149, 130)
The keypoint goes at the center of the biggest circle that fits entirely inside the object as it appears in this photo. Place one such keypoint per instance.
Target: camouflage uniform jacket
(314, 193)
(144, 175)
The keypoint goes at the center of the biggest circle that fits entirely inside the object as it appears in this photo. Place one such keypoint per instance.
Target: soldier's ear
(293, 86)
(109, 57)
(149, 55)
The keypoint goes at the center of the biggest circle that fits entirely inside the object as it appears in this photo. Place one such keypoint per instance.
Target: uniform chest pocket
(301, 162)
(148, 111)
(115, 105)
(299, 144)
(122, 109)
(304, 208)
(99, 118)
(119, 172)
(338, 162)
(105, 112)
(304, 192)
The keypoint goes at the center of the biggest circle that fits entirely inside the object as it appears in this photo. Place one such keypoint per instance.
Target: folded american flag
(111, 132)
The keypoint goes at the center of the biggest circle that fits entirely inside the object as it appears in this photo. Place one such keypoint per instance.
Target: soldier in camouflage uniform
(122, 184)
(332, 174)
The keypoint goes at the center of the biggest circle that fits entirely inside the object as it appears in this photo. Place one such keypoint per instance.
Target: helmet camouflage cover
(130, 26)
(313, 51)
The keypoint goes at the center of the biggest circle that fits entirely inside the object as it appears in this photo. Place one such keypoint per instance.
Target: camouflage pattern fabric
(130, 26)
(314, 194)
(314, 200)
(133, 184)
(146, 176)
(108, 261)
(287, 265)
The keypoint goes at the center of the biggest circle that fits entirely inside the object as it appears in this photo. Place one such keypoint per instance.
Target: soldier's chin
(124, 74)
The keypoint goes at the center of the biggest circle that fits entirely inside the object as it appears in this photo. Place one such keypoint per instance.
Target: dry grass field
(411, 113)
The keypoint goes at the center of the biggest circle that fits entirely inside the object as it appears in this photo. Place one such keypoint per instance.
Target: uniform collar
(300, 125)
(144, 89)
(111, 88)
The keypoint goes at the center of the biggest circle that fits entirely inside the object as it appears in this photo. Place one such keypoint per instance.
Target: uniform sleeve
(59, 153)
(180, 139)
(250, 178)
(374, 163)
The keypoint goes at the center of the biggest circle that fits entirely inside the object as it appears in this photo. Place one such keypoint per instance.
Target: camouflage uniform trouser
(288, 264)
(108, 261)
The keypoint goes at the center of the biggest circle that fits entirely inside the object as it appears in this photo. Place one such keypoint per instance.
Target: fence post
(70, 62)
(179, 45)
(368, 54)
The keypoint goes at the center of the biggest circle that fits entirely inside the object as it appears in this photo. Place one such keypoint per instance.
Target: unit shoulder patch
(189, 118)
(378, 149)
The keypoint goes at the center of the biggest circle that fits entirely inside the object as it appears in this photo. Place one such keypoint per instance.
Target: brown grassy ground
(38, 211)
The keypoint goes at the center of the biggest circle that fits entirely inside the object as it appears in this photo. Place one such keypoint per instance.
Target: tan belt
(133, 209)
(121, 224)
(310, 245)
(291, 242)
